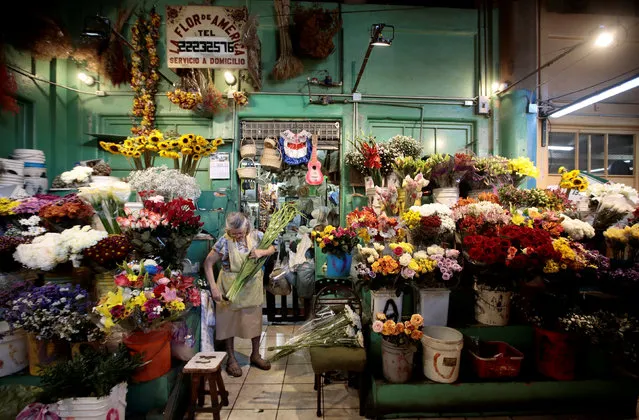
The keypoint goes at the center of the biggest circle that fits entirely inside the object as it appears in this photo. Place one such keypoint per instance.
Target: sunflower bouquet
(186, 150)
(572, 180)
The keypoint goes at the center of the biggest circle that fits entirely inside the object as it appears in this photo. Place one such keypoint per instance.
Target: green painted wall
(435, 53)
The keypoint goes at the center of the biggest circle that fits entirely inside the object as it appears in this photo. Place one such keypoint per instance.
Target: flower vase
(401, 200)
(387, 302)
(446, 196)
(13, 351)
(433, 305)
(155, 348)
(103, 283)
(492, 307)
(338, 265)
(397, 362)
(44, 353)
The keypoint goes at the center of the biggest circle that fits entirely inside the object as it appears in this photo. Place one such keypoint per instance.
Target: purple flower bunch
(447, 264)
(53, 311)
(32, 205)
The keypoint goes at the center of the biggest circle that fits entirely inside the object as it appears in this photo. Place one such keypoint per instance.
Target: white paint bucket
(492, 307)
(397, 362)
(446, 196)
(111, 407)
(433, 306)
(14, 356)
(442, 353)
(386, 301)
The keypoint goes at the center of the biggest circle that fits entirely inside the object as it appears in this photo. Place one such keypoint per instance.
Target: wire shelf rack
(329, 132)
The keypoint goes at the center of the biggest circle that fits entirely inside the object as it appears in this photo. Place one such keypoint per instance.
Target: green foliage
(92, 373)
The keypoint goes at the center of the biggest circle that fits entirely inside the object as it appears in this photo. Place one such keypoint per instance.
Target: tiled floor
(285, 392)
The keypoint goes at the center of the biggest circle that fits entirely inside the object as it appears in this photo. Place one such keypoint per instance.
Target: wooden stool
(201, 367)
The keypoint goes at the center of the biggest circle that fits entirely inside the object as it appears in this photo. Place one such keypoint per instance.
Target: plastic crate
(504, 360)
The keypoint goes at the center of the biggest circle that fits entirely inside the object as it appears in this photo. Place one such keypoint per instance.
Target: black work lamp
(96, 27)
(377, 37)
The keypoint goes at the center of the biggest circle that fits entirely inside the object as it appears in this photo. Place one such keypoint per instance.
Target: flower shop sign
(205, 37)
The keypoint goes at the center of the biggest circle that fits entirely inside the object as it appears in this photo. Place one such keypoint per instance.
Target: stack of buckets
(35, 169)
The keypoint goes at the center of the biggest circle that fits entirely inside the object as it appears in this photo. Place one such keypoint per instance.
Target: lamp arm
(378, 30)
(543, 66)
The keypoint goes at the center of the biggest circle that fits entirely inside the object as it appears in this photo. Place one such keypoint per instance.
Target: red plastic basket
(505, 361)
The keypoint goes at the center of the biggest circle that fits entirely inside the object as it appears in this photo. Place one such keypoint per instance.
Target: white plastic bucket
(442, 353)
(492, 307)
(13, 351)
(384, 300)
(446, 196)
(111, 407)
(99, 179)
(433, 306)
(397, 362)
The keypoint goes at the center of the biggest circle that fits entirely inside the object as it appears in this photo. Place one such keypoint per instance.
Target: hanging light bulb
(605, 37)
(229, 78)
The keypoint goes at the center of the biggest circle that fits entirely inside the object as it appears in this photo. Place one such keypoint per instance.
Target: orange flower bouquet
(399, 333)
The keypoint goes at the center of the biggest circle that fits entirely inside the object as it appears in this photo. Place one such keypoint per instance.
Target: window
(600, 153)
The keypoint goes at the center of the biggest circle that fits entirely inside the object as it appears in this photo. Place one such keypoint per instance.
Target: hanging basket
(249, 171)
(271, 160)
(270, 143)
(248, 148)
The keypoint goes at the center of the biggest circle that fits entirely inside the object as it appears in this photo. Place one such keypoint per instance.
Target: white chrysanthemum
(432, 209)
(599, 191)
(77, 174)
(577, 229)
(420, 255)
(435, 250)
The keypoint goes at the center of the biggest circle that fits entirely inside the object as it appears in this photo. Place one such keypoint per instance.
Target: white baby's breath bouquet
(107, 199)
(405, 146)
(169, 183)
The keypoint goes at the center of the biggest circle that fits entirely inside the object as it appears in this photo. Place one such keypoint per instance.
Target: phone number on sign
(206, 46)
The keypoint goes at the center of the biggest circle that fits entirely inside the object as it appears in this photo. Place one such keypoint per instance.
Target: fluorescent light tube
(561, 148)
(615, 90)
(597, 170)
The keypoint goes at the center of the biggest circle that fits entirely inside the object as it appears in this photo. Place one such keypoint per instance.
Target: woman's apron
(242, 318)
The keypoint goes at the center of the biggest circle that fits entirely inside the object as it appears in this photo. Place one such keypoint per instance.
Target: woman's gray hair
(237, 221)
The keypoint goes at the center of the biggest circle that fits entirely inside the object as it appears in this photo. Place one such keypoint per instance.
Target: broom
(287, 65)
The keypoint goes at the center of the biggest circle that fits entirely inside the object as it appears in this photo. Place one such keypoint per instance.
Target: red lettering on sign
(214, 21)
(230, 29)
(183, 28)
(224, 23)
(175, 44)
(196, 19)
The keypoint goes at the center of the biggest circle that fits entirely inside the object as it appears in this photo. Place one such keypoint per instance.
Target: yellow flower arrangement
(572, 180)
(405, 247)
(520, 168)
(411, 218)
(142, 149)
(7, 205)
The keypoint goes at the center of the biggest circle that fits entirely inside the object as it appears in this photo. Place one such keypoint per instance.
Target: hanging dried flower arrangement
(287, 65)
(213, 101)
(314, 30)
(240, 98)
(144, 71)
(187, 94)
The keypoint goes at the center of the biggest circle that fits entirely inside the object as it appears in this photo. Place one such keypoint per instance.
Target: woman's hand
(258, 253)
(216, 295)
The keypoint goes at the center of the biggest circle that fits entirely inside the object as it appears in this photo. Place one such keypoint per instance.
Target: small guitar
(314, 175)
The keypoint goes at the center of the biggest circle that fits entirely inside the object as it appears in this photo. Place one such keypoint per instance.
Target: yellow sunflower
(197, 148)
(128, 143)
(186, 151)
(173, 155)
(114, 148)
(196, 156)
(151, 147)
(201, 141)
(104, 145)
(137, 154)
(156, 136)
(191, 137)
(185, 140)
(218, 141)
(164, 145)
(141, 140)
(175, 143)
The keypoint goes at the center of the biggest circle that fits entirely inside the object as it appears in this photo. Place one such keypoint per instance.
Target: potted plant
(142, 308)
(399, 343)
(13, 341)
(162, 229)
(53, 315)
(437, 268)
(94, 382)
(337, 243)
(444, 173)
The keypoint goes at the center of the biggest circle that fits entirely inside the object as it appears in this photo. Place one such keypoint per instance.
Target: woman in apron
(244, 317)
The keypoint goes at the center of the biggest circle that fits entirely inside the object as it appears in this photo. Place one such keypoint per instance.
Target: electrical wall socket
(532, 109)
(357, 96)
(483, 105)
